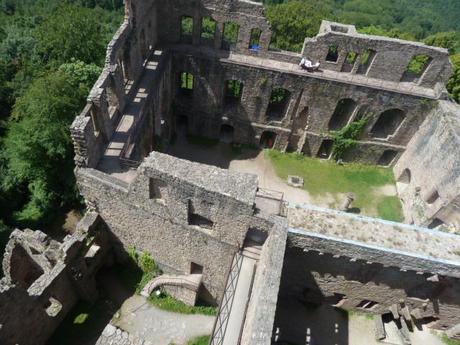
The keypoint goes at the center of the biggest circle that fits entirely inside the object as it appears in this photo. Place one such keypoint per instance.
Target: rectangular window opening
(233, 91)
(254, 41)
(230, 37)
(332, 54)
(416, 67)
(196, 268)
(157, 188)
(208, 31)
(197, 219)
(349, 62)
(186, 29)
(186, 83)
(367, 58)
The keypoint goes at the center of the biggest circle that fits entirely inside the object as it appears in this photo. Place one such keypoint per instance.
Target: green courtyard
(374, 187)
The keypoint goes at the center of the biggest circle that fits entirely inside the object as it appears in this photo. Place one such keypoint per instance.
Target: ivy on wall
(347, 137)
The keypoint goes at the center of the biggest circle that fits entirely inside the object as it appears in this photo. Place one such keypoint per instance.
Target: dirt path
(139, 318)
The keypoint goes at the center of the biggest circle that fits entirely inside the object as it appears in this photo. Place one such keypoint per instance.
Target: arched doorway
(226, 134)
(267, 139)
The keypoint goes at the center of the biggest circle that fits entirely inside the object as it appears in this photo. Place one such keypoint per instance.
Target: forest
(51, 52)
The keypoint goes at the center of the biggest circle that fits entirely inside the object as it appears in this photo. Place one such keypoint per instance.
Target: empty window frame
(432, 197)
(332, 54)
(416, 67)
(367, 304)
(208, 30)
(230, 36)
(349, 62)
(325, 149)
(186, 29)
(387, 157)
(233, 91)
(367, 58)
(254, 40)
(194, 218)
(267, 139)
(388, 122)
(405, 177)
(342, 114)
(157, 188)
(186, 83)
(279, 100)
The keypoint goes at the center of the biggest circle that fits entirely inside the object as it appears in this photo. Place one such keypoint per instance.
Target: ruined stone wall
(178, 211)
(428, 173)
(390, 59)
(316, 277)
(44, 279)
(312, 100)
(262, 304)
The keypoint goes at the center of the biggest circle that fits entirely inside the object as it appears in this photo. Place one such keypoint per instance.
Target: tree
(38, 146)
(71, 32)
(449, 40)
(453, 85)
(293, 21)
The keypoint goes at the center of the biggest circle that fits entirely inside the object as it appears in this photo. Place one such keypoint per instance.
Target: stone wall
(262, 305)
(428, 172)
(44, 279)
(178, 211)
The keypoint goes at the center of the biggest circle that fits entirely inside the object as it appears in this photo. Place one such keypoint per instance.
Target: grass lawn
(203, 340)
(166, 302)
(322, 177)
(446, 340)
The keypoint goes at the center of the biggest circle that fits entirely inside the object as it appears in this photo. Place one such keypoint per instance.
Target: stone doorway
(267, 140)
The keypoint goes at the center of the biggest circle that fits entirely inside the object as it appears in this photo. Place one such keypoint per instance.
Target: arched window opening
(405, 177)
(325, 149)
(342, 114)
(186, 29)
(387, 157)
(267, 139)
(208, 31)
(226, 134)
(435, 223)
(432, 197)
(388, 122)
(230, 36)
(279, 100)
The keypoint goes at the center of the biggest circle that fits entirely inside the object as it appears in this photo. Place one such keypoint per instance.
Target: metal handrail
(221, 322)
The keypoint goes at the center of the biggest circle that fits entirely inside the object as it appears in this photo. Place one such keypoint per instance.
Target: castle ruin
(206, 67)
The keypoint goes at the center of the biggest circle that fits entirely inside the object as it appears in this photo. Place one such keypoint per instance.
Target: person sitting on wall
(308, 65)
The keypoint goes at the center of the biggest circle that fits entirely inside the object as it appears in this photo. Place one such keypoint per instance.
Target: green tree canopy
(38, 146)
(70, 32)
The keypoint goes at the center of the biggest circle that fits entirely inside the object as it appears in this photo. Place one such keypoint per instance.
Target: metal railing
(220, 325)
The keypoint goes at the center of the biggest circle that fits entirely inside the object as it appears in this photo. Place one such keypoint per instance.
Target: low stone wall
(260, 316)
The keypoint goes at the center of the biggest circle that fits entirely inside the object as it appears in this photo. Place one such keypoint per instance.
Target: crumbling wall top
(242, 187)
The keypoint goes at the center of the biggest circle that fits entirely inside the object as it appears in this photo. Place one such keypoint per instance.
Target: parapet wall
(341, 260)
(428, 173)
(390, 57)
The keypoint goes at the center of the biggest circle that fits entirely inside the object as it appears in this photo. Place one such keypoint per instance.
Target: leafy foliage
(347, 137)
(38, 145)
(453, 86)
(71, 32)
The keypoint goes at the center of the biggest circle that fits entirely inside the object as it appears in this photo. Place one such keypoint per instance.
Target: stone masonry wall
(44, 279)
(169, 224)
(428, 172)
